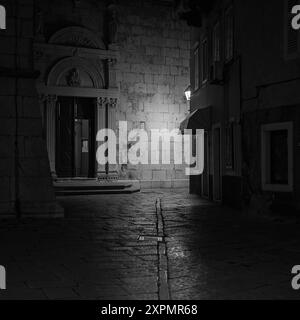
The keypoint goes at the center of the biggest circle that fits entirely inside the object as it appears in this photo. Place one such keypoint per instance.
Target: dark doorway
(75, 137)
(217, 180)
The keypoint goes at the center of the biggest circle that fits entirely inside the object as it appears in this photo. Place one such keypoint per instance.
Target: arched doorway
(78, 97)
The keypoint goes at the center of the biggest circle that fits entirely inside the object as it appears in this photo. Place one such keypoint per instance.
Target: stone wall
(153, 72)
(25, 182)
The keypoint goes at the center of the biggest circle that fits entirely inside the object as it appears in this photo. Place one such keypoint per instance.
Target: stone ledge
(164, 184)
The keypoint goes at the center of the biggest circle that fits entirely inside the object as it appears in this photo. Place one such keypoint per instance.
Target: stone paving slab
(207, 251)
(218, 253)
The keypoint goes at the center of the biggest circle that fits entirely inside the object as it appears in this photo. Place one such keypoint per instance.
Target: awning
(198, 119)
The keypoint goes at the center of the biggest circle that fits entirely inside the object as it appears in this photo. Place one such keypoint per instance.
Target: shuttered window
(229, 34)
(216, 42)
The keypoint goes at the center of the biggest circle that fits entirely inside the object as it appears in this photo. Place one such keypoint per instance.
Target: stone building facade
(245, 82)
(153, 72)
(71, 68)
(25, 182)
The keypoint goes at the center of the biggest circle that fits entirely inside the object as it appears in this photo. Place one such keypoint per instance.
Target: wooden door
(65, 137)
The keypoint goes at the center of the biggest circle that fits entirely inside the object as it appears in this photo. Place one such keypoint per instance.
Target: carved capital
(101, 102)
(113, 102)
(112, 62)
(49, 99)
(42, 98)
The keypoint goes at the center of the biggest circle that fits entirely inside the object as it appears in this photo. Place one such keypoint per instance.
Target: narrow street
(149, 245)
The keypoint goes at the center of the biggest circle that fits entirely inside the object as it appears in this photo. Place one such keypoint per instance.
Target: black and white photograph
(149, 151)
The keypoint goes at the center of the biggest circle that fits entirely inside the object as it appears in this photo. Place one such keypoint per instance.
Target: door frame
(214, 127)
(207, 156)
(58, 145)
(92, 172)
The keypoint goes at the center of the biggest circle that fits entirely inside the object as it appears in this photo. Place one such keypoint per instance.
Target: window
(229, 34)
(2, 18)
(196, 69)
(216, 42)
(292, 37)
(204, 61)
(277, 157)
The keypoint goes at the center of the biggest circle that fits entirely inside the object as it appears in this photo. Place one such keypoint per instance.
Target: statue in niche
(112, 18)
(73, 78)
(39, 31)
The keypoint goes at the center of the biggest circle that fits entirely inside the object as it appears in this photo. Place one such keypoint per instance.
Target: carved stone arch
(77, 37)
(75, 72)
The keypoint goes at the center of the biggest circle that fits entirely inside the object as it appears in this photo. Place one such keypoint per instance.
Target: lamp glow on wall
(188, 93)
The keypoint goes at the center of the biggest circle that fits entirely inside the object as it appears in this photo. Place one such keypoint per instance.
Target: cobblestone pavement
(150, 245)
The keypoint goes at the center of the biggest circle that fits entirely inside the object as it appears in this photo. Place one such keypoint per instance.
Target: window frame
(216, 39)
(265, 156)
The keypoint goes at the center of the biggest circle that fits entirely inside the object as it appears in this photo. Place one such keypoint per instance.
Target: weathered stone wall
(25, 182)
(152, 67)
(153, 72)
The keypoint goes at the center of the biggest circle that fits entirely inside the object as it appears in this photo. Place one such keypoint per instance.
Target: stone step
(92, 187)
(107, 186)
(95, 192)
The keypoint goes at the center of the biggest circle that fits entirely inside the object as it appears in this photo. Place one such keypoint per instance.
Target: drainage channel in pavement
(163, 283)
(159, 238)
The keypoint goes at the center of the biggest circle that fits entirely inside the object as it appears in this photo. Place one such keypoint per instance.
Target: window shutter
(229, 34)
(216, 42)
(292, 36)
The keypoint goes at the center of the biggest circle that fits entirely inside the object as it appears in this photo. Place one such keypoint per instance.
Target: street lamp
(188, 93)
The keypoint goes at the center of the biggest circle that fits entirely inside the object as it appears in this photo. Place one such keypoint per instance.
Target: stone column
(42, 99)
(111, 119)
(106, 109)
(101, 124)
(51, 131)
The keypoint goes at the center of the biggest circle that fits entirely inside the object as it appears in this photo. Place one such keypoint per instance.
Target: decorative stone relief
(101, 102)
(77, 37)
(39, 31)
(73, 78)
(112, 18)
(113, 102)
(112, 72)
